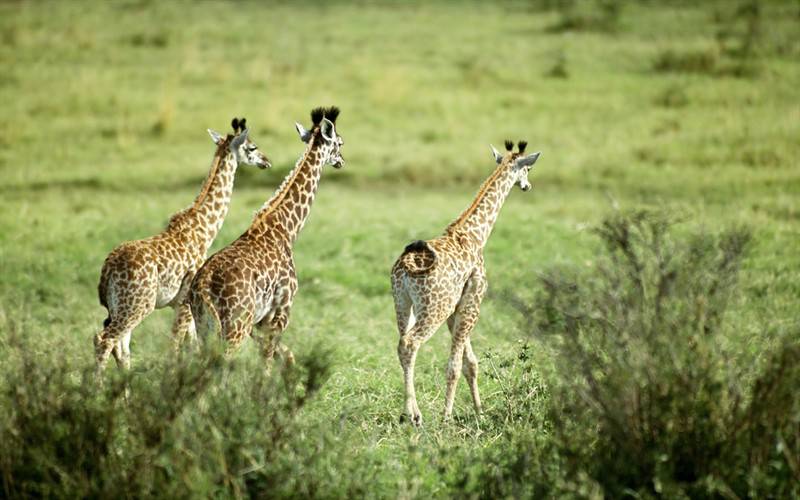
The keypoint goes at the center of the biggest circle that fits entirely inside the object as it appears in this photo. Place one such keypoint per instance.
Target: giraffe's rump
(417, 258)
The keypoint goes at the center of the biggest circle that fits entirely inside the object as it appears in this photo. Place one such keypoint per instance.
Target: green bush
(648, 401)
(740, 46)
(194, 426)
(673, 96)
(704, 61)
(587, 15)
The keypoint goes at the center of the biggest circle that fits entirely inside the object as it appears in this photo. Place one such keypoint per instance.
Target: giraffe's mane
(280, 194)
(218, 156)
(488, 183)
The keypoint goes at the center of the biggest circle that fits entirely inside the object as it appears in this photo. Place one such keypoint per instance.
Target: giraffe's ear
(525, 161)
(304, 134)
(215, 137)
(327, 129)
(239, 139)
(497, 156)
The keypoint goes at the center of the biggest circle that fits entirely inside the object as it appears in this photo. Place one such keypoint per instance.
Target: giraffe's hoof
(416, 419)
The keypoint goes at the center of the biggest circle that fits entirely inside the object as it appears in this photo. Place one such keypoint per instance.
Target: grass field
(677, 106)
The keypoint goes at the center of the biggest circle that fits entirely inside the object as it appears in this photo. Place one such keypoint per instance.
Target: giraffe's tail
(102, 288)
(417, 258)
(102, 295)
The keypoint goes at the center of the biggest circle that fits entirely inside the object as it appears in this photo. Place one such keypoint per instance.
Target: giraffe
(143, 275)
(444, 279)
(252, 282)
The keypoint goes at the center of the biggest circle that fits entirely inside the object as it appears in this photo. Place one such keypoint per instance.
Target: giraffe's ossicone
(444, 279)
(252, 282)
(143, 275)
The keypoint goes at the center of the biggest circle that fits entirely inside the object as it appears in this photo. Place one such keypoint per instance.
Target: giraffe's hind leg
(429, 318)
(403, 310)
(130, 298)
(115, 339)
(469, 367)
(116, 335)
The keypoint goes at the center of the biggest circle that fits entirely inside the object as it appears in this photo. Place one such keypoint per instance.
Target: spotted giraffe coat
(253, 280)
(142, 275)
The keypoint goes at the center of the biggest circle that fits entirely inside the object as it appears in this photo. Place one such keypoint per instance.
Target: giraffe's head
(323, 135)
(239, 144)
(517, 162)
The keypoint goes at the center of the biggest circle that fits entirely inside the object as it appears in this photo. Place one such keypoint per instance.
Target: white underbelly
(165, 296)
(263, 305)
(167, 290)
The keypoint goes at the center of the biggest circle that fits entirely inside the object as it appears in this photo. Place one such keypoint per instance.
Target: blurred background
(677, 104)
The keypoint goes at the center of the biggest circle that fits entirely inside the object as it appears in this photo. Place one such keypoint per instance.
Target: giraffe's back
(160, 262)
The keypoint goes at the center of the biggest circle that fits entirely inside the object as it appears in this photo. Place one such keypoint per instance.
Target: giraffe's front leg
(469, 365)
(182, 325)
(470, 370)
(274, 324)
(461, 324)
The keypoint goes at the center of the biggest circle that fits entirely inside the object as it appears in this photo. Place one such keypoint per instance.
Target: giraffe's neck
(478, 219)
(288, 209)
(211, 205)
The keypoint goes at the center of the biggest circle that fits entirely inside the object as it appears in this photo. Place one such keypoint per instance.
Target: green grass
(102, 137)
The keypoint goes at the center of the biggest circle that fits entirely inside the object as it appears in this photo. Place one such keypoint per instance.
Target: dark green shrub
(648, 401)
(673, 96)
(559, 67)
(739, 43)
(192, 426)
(686, 61)
(588, 15)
